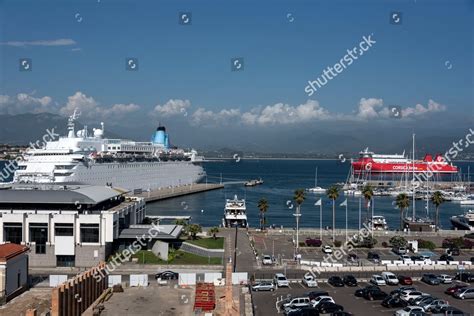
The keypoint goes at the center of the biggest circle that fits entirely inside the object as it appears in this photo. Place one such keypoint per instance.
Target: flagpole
(320, 220)
(360, 206)
(346, 221)
(372, 230)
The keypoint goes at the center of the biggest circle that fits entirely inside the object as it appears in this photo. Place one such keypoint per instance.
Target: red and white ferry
(380, 163)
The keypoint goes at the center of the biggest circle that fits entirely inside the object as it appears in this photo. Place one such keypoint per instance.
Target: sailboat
(316, 189)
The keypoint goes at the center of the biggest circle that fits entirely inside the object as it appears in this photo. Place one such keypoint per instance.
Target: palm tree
(437, 199)
(368, 194)
(193, 230)
(299, 198)
(213, 231)
(333, 194)
(263, 207)
(402, 202)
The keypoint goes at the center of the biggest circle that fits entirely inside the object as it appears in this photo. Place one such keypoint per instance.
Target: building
(74, 226)
(13, 271)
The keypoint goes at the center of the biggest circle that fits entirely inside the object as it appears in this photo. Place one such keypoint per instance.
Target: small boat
(235, 213)
(316, 189)
(464, 221)
(252, 183)
(377, 222)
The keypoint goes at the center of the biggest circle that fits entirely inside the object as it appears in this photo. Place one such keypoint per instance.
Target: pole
(321, 221)
(360, 207)
(235, 249)
(273, 248)
(297, 229)
(333, 220)
(413, 179)
(372, 230)
(346, 221)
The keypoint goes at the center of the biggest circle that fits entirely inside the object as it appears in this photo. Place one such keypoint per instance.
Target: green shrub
(426, 244)
(398, 241)
(337, 243)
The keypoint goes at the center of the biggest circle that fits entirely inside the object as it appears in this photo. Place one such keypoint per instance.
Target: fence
(376, 233)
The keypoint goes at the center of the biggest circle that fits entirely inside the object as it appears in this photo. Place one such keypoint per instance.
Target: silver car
(264, 286)
(464, 293)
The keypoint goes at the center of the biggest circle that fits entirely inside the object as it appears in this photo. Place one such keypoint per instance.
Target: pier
(167, 193)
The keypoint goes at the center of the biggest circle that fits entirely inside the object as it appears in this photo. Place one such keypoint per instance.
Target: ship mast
(413, 178)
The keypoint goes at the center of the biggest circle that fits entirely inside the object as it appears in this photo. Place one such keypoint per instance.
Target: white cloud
(56, 42)
(420, 109)
(172, 107)
(24, 103)
(90, 108)
(372, 108)
(202, 116)
(369, 108)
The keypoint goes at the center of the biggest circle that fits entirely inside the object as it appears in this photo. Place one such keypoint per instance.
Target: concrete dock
(167, 193)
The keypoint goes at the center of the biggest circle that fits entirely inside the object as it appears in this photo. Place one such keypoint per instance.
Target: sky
(419, 64)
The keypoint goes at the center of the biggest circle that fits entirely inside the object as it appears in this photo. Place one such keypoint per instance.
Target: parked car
(390, 278)
(448, 311)
(409, 294)
(372, 256)
(445, 279)
(446, 257)
(404, 258)
(408, 311)
(280, 280)
(464, 293)
(361, 292)
(336, 281)
(167, 275)
(314, 294)
(304, 311)
(375, 294)
(263, 286)
(452, 289)
(323, 298)
(267, 260)
(400, 250)
(421, 300)
(327, 249)
(309, 280)
(297, 302)
(405, 280)
(349, 280)
(392, 302)
(352, 257)
(433, 305)
(329, 308)
(464, 277)
(377, 280)
(401, 289)
(430, 278)
(453, 251)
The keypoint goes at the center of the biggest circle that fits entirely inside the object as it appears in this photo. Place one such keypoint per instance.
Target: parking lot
(281, 246)
(265, 302)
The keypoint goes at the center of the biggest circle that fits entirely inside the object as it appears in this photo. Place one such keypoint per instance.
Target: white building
(13, 271)
(67, 225)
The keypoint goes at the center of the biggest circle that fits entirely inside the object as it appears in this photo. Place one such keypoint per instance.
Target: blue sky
(284, 44)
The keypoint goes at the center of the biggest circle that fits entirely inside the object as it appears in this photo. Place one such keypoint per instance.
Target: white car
(297, 302)
(327, 249)
(410, 294)
(267, 260)
(405, 258)
(309, 280)
(390, 278)
(377, 280)
(409, 310)
(446, 279)
(320, 299)
(280, 280)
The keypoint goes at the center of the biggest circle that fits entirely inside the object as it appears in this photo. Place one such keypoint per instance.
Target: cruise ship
(89, 158)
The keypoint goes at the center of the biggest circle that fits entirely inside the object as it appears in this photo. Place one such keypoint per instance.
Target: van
(280, 280)
(390, 278)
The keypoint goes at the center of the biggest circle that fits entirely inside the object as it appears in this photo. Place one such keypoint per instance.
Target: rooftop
(8, 251)
(163, 232)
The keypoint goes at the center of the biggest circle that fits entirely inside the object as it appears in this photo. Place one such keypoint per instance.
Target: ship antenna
(70, 122)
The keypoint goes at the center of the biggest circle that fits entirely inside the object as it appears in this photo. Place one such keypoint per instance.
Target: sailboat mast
(413, 177)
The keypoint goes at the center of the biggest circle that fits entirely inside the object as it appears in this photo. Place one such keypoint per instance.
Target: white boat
(316, 188)
(235, 213)
(89, 158)
(464, 221)
(467, 202)
(377, 222)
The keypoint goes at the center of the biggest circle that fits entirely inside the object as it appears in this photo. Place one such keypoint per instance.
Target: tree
(333, 194)
(398, 241)
(213, 231)
(263, 207)
(437, 199)
(368, 194)
(299, 198)
(193, 230)
(402, 202)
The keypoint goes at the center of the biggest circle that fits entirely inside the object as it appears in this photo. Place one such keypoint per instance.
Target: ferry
(398, 163)
(86, 157)
(235, 213)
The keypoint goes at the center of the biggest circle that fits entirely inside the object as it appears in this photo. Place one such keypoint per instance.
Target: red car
(452, 289)
(405, 280)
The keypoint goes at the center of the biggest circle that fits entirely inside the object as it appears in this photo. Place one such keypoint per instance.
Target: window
(13, 232)
(64, 229)
(39, 235)
(89, 232)
(65, 261)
